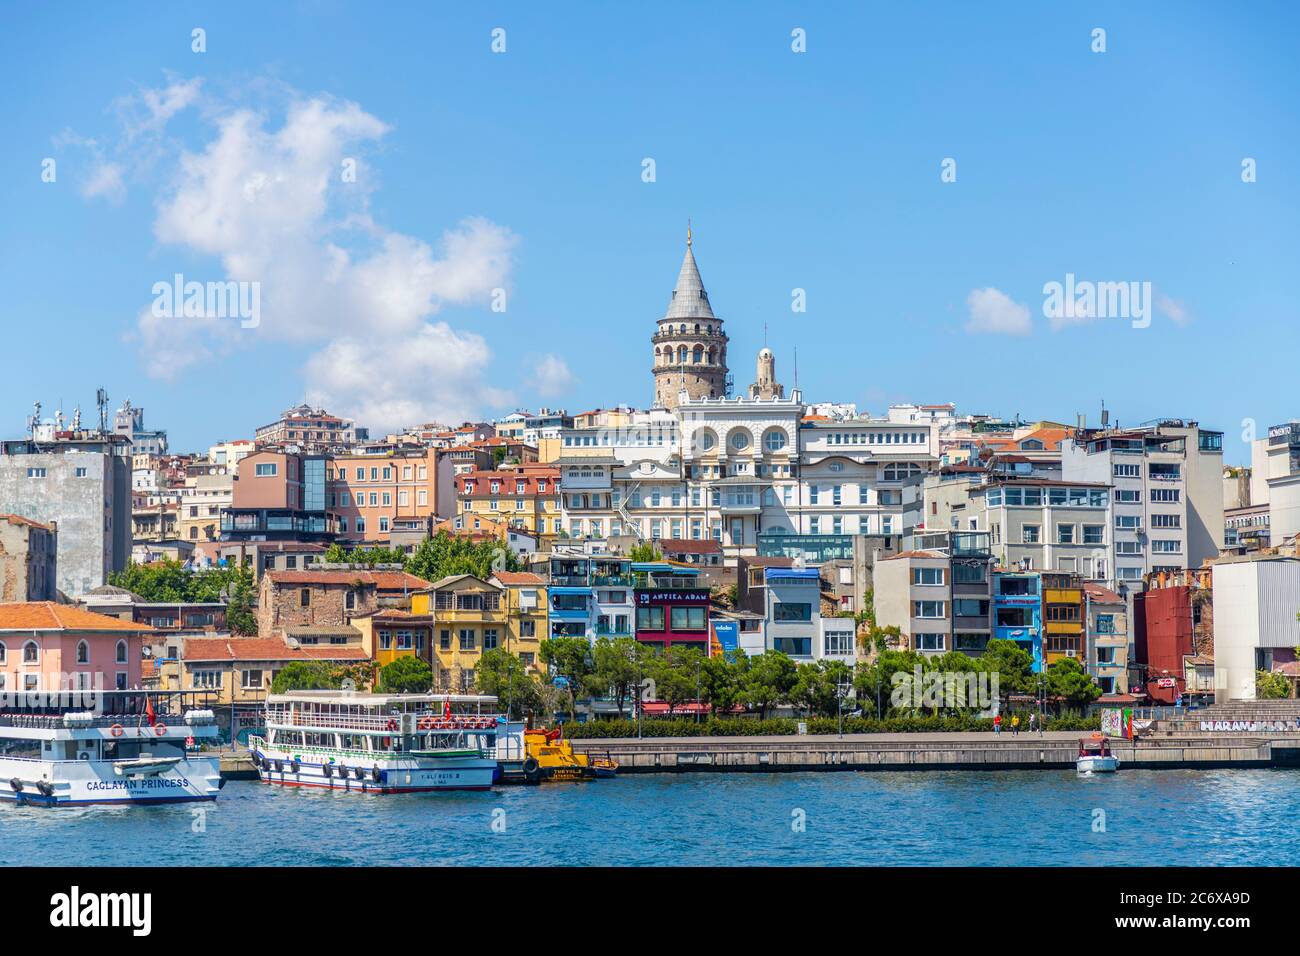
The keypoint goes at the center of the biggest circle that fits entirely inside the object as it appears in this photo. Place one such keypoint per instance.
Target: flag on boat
(446, 708)
(149, 713)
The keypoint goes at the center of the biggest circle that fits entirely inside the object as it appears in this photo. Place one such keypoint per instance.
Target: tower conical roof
(689, 300)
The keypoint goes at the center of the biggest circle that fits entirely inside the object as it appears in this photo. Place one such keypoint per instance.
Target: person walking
(1015, 725)
(997, 724)
(1033, 719)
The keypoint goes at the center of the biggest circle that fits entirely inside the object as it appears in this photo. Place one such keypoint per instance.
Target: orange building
(521, 496)
(368, 493)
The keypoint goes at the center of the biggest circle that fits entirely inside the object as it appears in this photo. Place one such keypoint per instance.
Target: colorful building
(522, 496)
(469, 617)
(1062, 617)
(1107, 619)
(49, 646)
(671, 607)
(1018, 611)
(526, 614)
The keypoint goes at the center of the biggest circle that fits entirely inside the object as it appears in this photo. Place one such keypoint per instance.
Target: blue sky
(522, 171)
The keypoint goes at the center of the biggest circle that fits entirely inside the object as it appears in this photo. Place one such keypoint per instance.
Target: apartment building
(1033, 523)
(367, 495)
(526, 614)
(1063, 619)
(79, 481)
(672, 608)
(913, 593)
(1275, 479)
(470, 617)
(1166, 485)
(1106, 620)
(969, 578)
(29, 561)
(526, 497)
(1255, 625)
(310, 430)
(1018, 611)
(862, 475)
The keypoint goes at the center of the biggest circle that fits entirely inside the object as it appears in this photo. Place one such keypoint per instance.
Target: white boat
(104, 749)
(1095, 756)
(377, 743)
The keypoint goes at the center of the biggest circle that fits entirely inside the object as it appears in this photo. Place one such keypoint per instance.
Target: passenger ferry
(112, 747)
(378, 743)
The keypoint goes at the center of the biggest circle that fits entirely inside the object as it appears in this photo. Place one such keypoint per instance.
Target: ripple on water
(947, 818)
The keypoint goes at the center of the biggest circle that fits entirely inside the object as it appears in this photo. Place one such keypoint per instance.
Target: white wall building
(1255, 624)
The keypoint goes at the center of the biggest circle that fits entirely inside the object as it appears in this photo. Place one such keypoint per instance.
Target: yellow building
(469, 617)
(522, 496)
(1062, 617)
(526, 615)
(391, 633)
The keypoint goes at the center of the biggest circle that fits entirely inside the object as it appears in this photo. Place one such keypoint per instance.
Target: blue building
(1017, 611)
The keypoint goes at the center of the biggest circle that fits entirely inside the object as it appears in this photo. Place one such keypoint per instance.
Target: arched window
(698, 355)
(121, 652)
(681, 354)
(83, 652)
(775, 439)
(4, 652)
(739, 439)
(708, 439)
(31, 653)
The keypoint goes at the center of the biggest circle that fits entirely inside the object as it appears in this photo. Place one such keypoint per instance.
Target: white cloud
(435, 375)
(1172, 309)
(550, 376)
(994, 312)
(105, 181)
(269, 201)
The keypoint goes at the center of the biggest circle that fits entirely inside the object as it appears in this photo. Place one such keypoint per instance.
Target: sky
(443, 221)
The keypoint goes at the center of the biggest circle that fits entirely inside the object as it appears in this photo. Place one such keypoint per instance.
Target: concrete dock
(960, 751)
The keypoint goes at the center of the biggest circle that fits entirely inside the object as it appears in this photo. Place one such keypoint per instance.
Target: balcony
(569, 580)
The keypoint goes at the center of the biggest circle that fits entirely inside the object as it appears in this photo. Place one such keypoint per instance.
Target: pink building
(49, 646)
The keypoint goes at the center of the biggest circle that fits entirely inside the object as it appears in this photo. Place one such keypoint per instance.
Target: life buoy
(159, 729)
(392, 724)
(45, 788)
(116, 730)
(376, 774)
(531, 766)
(16, 785)
(426, 723)
(343, 772)
(360, 773)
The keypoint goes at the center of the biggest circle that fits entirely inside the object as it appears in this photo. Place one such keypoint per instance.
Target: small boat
(144, 766)
(551, 757)
(1095, 755)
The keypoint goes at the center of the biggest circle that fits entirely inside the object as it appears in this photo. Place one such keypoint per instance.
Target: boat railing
(56, 722)
(384, 723)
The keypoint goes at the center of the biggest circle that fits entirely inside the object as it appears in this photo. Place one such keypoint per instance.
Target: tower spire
(688, 232)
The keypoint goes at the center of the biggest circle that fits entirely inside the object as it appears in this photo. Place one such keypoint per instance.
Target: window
(385, 640)
(931, 609)
(688, 618)
(252, 680)
(928, 642)
(444, 639)
(205, 680)
(650, 619)
(31, 653)
(80, 473)
(1094, 533)
(1128, 471)
(792, 611)
(927, 575)
(121, 652)
(1065, 534)
(838, 642)
(35, 472)
(4, 652)
(83, 652)
(970, 607)
(1029, 534)
(1166, 521)
(774, 440)
(1127, 496)
(739, 439)
(466, 638)
(304, 597)
(266, 469)
(1166, 546)
(490, 638)
(1168, 495)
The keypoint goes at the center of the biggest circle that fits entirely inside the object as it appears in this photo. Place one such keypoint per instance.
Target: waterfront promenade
(936, 751)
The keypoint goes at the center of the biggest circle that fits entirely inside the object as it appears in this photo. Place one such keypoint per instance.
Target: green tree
(406, 675)
(817, 686)
(240, 598)
(569, 658)
(875, 681)
(306, 675)
(1068, 680)
(768, 681)
(446, 554)
(616, 666)
(678, 672)
(723, 682)
(645, 552)
(503, 675)
(1014, 666)
(1271, 686)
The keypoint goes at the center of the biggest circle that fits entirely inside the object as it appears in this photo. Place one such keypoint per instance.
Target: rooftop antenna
(1105, 414)
(796, 366)
(34, 419)
(101, 399)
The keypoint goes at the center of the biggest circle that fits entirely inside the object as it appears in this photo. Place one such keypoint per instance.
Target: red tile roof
(383, 580)
(49, 616)
(1102, 595)
(267, 649)
(19, 519)
(690, 546)
(518, 578)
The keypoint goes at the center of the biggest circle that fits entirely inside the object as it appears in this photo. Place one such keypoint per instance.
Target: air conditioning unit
(1071, 653)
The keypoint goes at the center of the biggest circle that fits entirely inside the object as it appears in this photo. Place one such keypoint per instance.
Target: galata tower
(690, 348)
